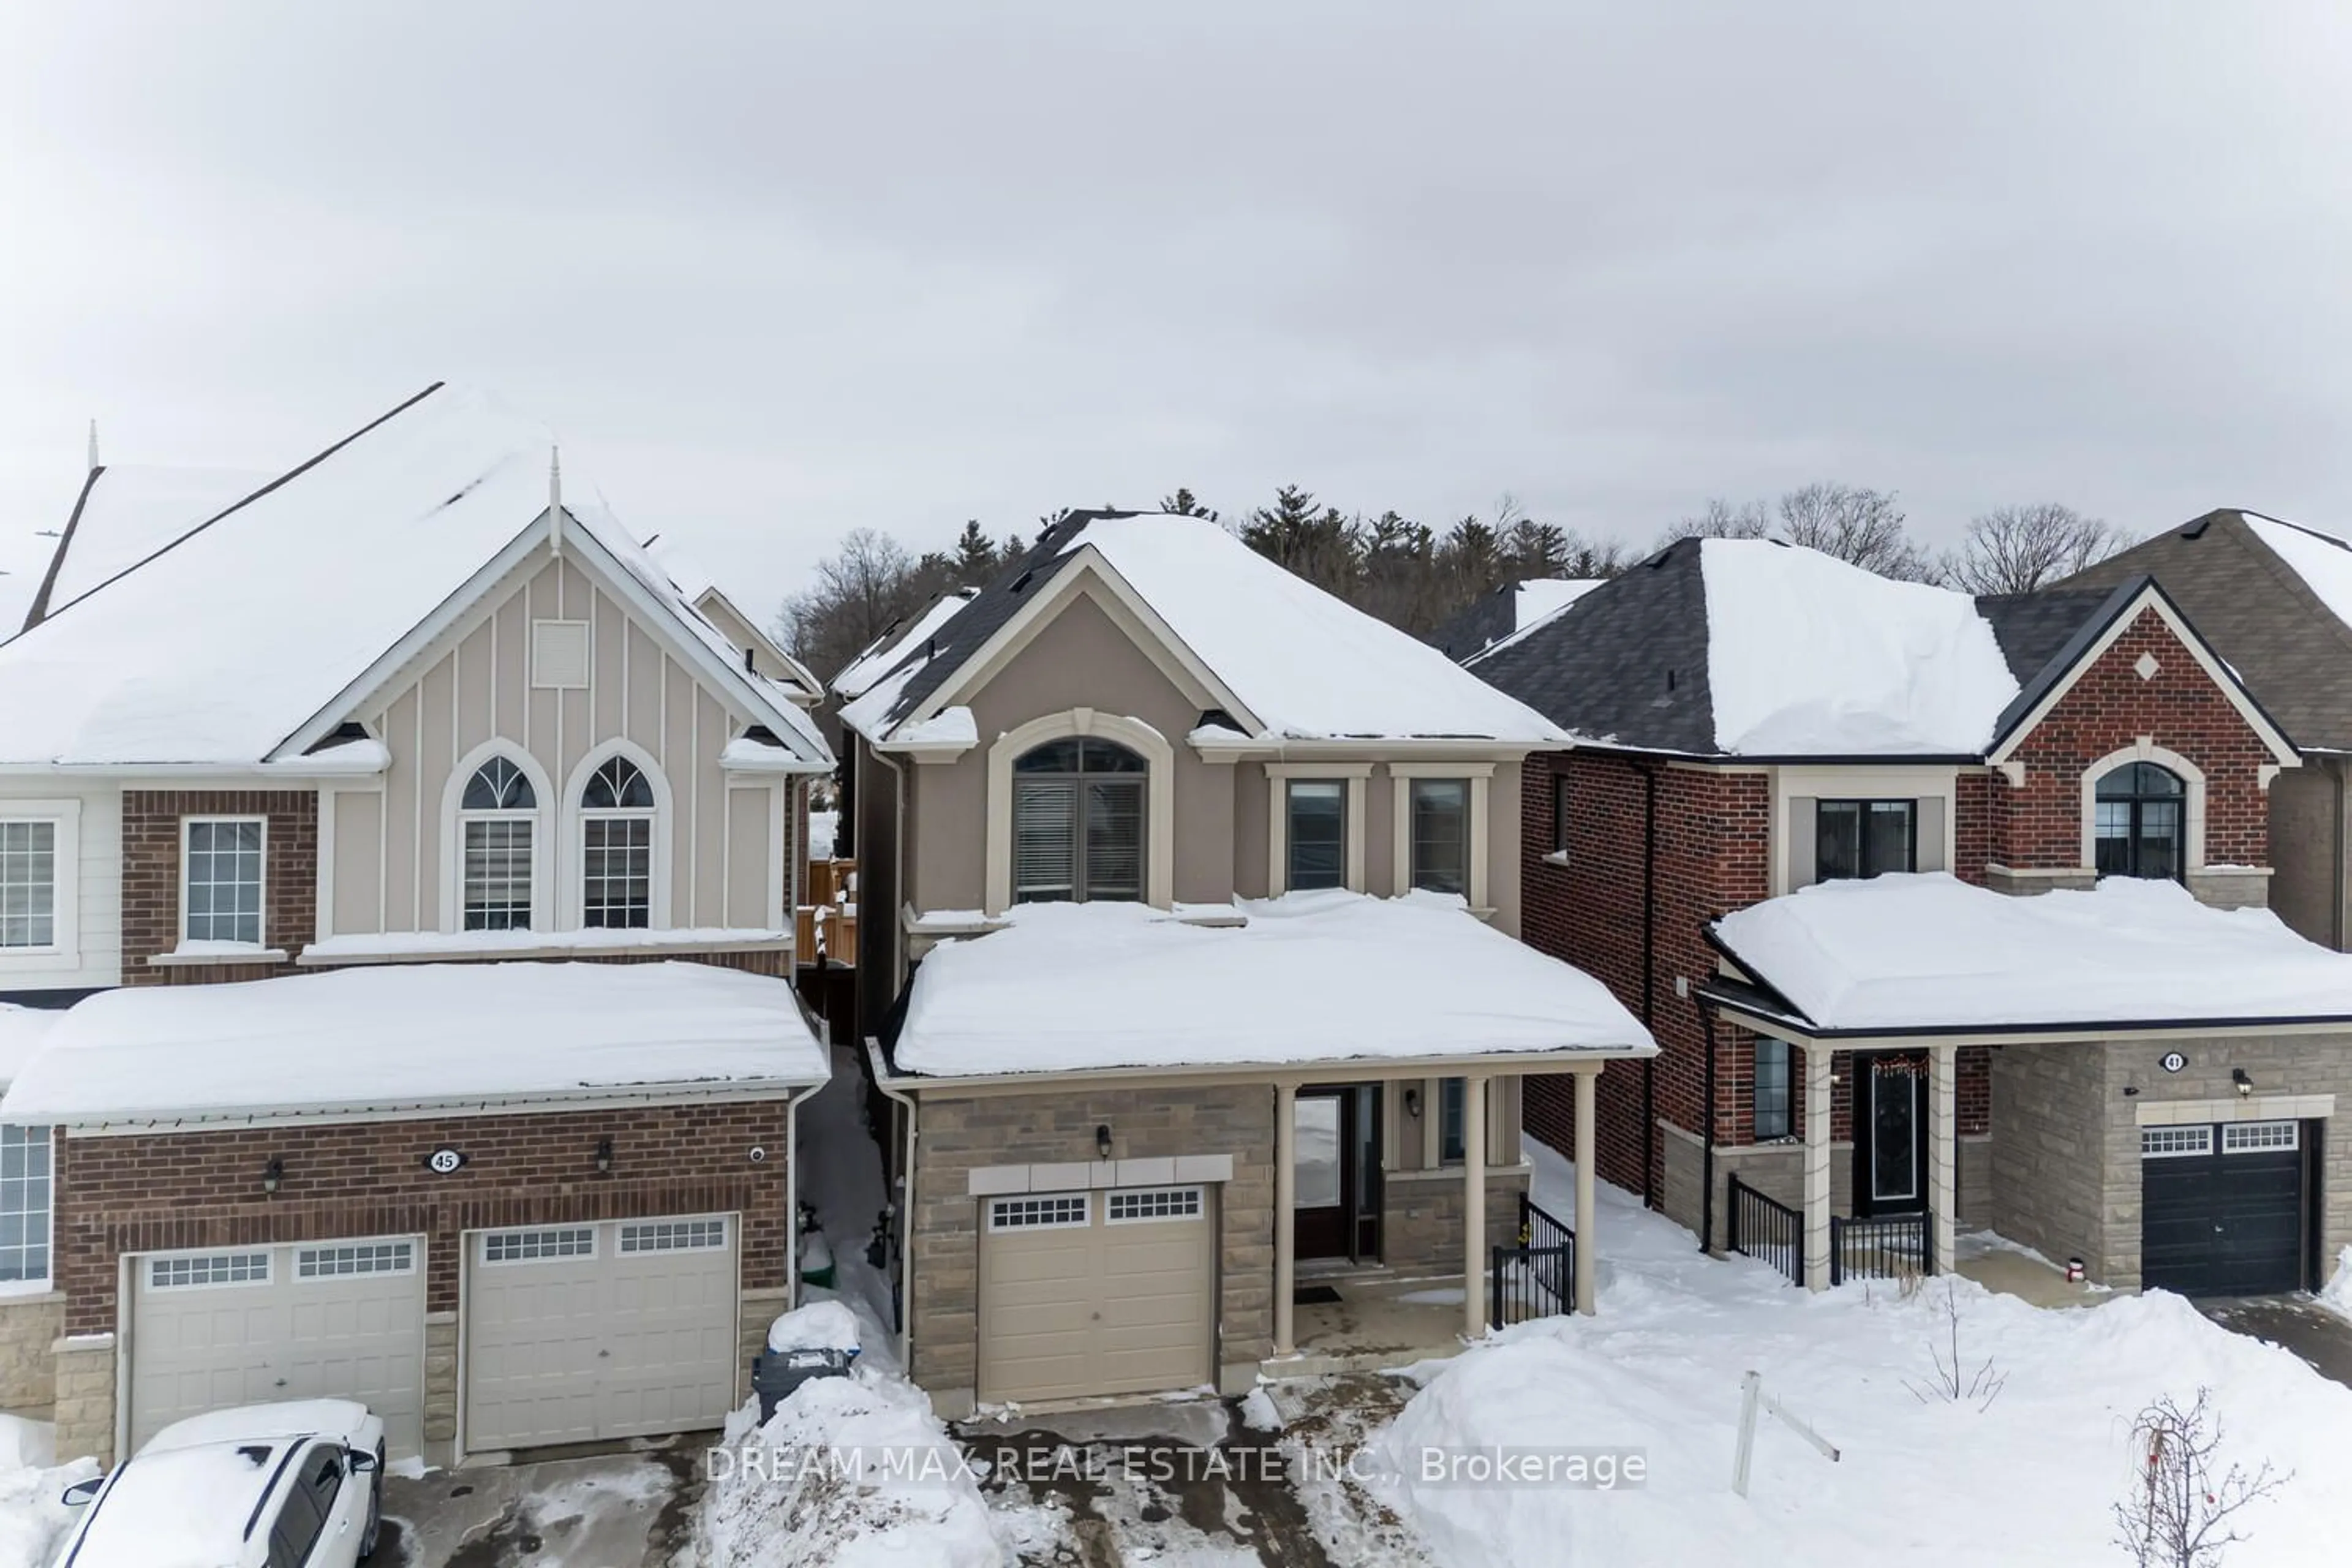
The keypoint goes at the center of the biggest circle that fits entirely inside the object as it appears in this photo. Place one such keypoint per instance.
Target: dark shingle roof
(1488, 618)
(2032, 629)
(1625, 663)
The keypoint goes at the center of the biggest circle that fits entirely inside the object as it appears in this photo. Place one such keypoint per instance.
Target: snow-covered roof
(445, 1035)
(220, 647)
(1807, 655)
(2323, 561)
(1907, 952)
(130, 511)
(1310, 977)
(1533, 601)
(883, 654)
(22, 1030)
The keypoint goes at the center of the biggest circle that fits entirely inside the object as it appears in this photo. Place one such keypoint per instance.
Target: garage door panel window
(1039, 1212)
(362, 1257)
(2175, 1142)
(539, 1246)
(1144, 1206)
(2260, 1137)
(674, 1235)
(198, 1270)
(25, 1206)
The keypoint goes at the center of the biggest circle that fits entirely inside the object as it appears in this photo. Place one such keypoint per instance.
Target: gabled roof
(698, 588)
(2275, 600)
(241, 635)
(1282, 659)
(1755, 649)
(1495, 616)
(898, 640)
(127, 512)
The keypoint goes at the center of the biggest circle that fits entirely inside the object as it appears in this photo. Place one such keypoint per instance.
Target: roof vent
(1021, 581)
(1217, 718)
(2196, 529)
(1670, 680)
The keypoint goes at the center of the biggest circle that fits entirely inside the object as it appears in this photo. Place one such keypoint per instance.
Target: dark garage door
(2223, 1209)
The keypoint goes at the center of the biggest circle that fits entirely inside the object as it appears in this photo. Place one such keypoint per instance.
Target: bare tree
(1953, 1382)
(2177, 1513)
(870, 582)
(1719, 518)
(2017, 548)
(1856, 524)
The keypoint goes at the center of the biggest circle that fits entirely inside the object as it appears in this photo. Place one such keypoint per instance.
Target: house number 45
(444, 1161)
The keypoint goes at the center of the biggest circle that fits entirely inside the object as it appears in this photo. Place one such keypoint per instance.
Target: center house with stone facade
(1801, 837)
(1190, 969)
(312, 801)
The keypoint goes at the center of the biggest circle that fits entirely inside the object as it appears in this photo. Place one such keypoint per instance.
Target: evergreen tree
(1184, 503)
(976, 560)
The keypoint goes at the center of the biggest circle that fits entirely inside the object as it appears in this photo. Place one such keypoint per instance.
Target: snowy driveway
(2319, 1338)
(615, 1510)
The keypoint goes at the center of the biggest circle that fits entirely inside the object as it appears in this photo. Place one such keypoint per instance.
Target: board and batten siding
(392, 850)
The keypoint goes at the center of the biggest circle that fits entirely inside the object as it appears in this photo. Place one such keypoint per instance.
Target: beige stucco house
(1191, 898)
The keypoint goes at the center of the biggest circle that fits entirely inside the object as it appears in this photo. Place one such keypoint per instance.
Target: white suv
(299, 1485)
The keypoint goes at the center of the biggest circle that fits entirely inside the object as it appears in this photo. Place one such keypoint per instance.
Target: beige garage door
(1093, 1294)
(247, 1325)
(578, 1333)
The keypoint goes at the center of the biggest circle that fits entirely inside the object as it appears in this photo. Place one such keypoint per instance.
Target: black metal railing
(1537, 1278)
(1767, 1231)
(1888, 1247)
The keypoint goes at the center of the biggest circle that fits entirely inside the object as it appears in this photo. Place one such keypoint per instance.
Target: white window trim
(1086, 1213)
(1482, 777)
(2231, 1133)
(406, 1266)
(482, 1250)
(2192, 781)
(1159, 798)
(1278, 777)
(543, 838)
(726, 1242)
(65, 950)
(268, 1255)
(1791, 784)
(187, 834)
(1198, 1197)
(574, 860)
(47, 1281)
(2168, 1133)
(540, 680)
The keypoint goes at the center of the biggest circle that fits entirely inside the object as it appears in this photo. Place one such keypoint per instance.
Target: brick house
(397, 864)
(1756, 721)
(1187, 970)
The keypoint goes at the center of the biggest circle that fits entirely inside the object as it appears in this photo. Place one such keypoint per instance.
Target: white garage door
(575, 1334)
(1090, 1293)
(247, 1325)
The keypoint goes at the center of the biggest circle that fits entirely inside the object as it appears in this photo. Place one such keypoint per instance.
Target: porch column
(1474, 1206)
(1817, 1167)
(1944, 1151)
(1588, 1083)
(1286, 1219)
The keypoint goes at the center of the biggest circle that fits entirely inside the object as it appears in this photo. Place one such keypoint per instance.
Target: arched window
(616, 865)
(494, 816)
(2140, 822)
(1078, 821)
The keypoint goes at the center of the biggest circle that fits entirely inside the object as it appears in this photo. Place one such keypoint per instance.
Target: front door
(1335, 1202)
(1890, 1135)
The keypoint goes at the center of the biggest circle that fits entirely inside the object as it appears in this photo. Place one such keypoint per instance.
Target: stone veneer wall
(30, 1328)
(1778, 1170)
(1420, 1217)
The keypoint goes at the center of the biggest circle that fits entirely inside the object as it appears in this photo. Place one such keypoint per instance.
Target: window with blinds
(1077, 822)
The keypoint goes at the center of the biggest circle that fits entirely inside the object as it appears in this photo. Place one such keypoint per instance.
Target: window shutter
(1805, 833)
(1044, 839)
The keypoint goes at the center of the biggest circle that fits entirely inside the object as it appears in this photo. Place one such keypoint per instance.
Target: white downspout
(792, 1103)
(906, 1210)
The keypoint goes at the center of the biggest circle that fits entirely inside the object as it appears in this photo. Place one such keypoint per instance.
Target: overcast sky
(776, 272)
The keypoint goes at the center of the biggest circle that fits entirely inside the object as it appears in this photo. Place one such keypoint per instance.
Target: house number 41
(2173, 1061)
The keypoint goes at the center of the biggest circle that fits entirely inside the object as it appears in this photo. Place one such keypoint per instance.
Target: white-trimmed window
(2175, 1142)
(195, 1269)
(25, 1203)
(1078, 821)
(1315, 834)
(1141, 1204)
(1054, 1212)
(616, 867)
(343, 1259)
(28, 884)
(497, 818)
(1440, 830)
(674, 1235)
(222, 879)
(546, 1244)
(2260, 1137)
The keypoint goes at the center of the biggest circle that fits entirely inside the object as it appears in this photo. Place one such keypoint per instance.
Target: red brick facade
(152, 840)
(1713, 856)
(155, 1192)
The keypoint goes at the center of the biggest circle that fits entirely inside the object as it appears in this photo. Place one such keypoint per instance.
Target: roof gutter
(123, 1123)
(1546, 1059)
(1797, 1029)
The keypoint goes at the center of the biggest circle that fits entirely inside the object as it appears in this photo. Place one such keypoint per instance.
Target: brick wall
(151, 877)
(2180, 708)
(148, 1193)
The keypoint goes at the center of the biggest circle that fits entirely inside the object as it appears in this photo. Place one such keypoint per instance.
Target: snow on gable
(1808, 656)
(882, 655)
(1899, 953)
(131, 510)
(1306, 665)
(2323, 561)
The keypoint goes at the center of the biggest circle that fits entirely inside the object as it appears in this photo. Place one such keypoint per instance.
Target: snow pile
(32, 1520)
(819, 1326)
(2322, 561)
(22, 1030)
(1902, 950)
(824, 826)
(376, 1039)
(850, 1472)
(2025, 1483)
(842, 1175)
(2337, 1297)
(1322, 977)
(1809, 655)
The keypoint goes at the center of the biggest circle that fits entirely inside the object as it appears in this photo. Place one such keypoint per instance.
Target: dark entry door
(1890, 1135)
(1323, 1194)
(2224, 1208)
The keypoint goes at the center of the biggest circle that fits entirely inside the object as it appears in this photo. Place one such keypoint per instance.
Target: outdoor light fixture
(1102, 1141)
(272, 1174)
(2245, 1084)
(603, 1156)
(1412, 1103)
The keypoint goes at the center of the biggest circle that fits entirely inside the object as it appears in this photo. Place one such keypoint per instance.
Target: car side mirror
(80, 1492)
(362, 1462)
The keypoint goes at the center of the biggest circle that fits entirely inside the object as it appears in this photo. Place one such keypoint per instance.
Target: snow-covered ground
(2027, 1480)
(31, 1517)
(841, 1174)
